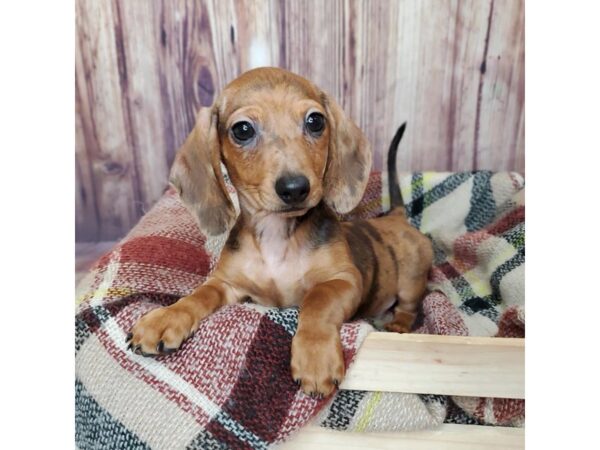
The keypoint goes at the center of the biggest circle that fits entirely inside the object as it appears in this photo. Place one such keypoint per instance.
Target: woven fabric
(229, 386)
(476, 222)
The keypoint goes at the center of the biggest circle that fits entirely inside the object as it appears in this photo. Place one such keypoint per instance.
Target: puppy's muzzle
(292, 189)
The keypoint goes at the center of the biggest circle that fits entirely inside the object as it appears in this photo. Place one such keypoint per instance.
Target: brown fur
(281, 256)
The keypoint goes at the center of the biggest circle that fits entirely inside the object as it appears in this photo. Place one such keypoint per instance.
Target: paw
(402, 322)
(317, 362)
(161, 331)
(395, 327)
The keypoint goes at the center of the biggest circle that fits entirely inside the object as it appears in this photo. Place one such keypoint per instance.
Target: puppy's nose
(292, 189)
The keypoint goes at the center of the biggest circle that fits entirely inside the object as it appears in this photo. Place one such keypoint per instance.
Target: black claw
(128, 337)
(138, 350)
(336, 383)
(313, 395)
(164, 350)
(130, 346)
(298, 381)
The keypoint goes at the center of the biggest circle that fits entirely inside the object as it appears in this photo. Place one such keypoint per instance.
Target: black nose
(292, 189)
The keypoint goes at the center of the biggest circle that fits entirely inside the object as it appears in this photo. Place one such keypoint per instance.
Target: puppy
(295, 159)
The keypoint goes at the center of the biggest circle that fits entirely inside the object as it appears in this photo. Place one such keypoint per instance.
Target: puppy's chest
(276, 272)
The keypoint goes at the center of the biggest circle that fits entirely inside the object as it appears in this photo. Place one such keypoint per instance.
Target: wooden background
(453, 69)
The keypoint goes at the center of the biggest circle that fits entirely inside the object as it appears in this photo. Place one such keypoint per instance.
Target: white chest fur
(279, 261)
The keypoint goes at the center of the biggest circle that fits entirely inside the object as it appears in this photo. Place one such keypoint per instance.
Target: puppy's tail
(396, 201)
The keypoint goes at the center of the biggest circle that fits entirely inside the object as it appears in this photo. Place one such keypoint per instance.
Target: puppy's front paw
(317, 361)
(161, 331)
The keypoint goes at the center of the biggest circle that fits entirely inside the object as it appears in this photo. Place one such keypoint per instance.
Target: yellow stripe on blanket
(109, 292)
(481, 287)
(363, 422)
(431, 179)
(479, 277)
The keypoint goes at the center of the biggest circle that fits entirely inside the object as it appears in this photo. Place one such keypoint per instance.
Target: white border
(563, 175)
(37, 142)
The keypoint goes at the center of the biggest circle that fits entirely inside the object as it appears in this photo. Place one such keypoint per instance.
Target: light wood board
(446, 437)
(450, 365)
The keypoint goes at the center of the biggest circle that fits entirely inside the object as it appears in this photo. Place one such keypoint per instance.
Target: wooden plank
(439, 48)
(144, 106)
(446, 437)
(221, 18)
(99, 76)
(519, 160)
(368, 71)
(314, 37)
(256, 40)
(468, 45)
(450, 365)
(86, 219)
(187, 64)
(502, 109)
(245, 34)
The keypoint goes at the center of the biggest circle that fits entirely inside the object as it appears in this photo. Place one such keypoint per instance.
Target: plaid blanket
(230, 386)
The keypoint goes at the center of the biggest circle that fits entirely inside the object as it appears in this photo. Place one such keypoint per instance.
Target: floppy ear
(348, 163)
(197, 176)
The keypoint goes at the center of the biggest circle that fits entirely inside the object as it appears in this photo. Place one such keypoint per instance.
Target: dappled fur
(282, 256)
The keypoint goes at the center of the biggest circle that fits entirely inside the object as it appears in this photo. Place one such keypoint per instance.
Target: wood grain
(502, 111)
(86, 219)
(445, 437)
(145, 112)
(453, 69)
(445, 365)
(100, 79)
(440, 49)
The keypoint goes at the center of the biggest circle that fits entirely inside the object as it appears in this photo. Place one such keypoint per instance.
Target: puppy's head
(285, 144)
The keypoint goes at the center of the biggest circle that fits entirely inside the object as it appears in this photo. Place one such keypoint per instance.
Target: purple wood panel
(453, 69)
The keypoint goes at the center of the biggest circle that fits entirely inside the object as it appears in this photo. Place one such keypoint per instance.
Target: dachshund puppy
(294, 158)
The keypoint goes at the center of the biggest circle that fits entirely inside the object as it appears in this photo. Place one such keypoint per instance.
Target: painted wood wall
(453, 69)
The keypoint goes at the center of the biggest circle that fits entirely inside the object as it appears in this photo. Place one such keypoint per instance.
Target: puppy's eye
(315, 123)
(243, 132)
